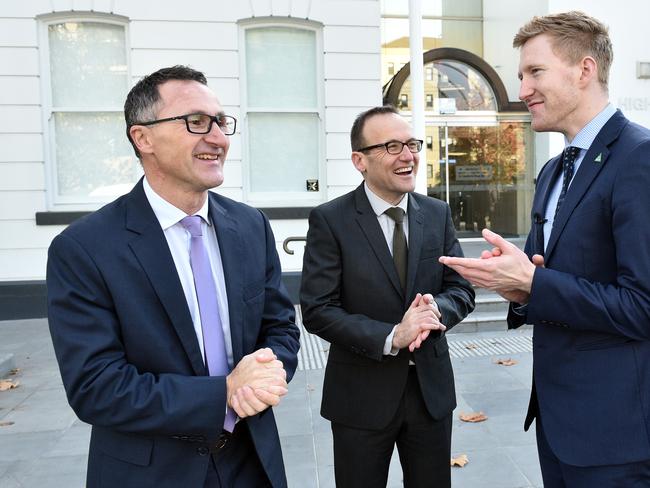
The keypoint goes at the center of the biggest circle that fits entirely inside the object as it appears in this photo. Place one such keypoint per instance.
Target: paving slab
(46, 446)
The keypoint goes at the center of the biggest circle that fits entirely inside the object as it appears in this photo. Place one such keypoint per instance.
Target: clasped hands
(505, 268)
(256, 383)
(419, 320)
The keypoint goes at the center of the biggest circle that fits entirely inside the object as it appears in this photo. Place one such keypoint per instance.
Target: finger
(276, 390)
(416, 301)
(496, 240)
(428, 298)
(538, 260)
(269, 399)
(496, 252)
(486, 255)
(264, 355)
(234, 404)
(249, 401)
(424, 334)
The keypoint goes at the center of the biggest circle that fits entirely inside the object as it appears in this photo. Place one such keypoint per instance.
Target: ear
(141, 137)
(360, 161)
(588, 70)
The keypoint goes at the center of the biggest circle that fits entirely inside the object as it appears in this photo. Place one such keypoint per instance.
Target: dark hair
(142, 102)
(574, 35)
(356, 133)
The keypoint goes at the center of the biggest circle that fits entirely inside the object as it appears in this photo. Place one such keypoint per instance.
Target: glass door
(482, 172)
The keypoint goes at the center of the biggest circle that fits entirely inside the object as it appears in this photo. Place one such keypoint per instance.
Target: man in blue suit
(174, 361)
(586, 286)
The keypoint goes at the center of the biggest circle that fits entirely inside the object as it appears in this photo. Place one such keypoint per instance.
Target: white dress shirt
(178, 239)
(379, 206)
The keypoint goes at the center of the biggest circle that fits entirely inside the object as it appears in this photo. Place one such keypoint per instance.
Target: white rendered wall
(162, 33)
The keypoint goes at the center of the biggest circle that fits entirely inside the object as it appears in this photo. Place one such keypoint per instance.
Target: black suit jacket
(591, 304)
(127, 349)
(351, 297)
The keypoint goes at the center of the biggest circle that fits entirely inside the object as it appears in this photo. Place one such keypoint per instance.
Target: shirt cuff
(389, 350)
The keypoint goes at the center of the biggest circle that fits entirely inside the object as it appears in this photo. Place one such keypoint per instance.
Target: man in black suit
(167, 312)
(389, 378)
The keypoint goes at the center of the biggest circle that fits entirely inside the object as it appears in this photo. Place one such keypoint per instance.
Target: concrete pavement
(43, 444)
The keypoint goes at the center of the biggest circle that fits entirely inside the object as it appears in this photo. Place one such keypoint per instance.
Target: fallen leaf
(473, 417)
(471, 346)
(6, 424)
(461, 460)
(8, 384)
(14, 371)
(506, 362)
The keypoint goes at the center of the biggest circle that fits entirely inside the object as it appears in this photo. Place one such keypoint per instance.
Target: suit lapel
(151, 249)
(230, 248)
(367, 220)
(416, 229)
(590, 167)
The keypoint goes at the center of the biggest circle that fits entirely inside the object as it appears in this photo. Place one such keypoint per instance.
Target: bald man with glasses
(373, 288)
(172, 329)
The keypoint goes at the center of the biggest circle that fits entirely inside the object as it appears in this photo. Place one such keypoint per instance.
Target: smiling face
(179, 165)
(551, 88)
(389, 176)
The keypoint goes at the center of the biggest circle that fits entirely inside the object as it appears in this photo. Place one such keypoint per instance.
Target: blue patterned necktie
(568, 160)
(206, 291)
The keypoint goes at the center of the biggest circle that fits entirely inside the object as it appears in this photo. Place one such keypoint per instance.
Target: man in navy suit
(128, 322)
(586, 286)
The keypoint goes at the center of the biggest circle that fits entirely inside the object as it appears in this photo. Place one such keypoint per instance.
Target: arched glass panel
(451, 86)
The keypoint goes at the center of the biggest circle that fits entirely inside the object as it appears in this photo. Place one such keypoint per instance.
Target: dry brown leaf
(14, 371)
(461, 460)
(473, 417)
(506, 362)
(471, 346)
(8, 384)
(6, 423)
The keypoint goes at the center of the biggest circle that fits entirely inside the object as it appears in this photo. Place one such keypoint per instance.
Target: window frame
(55, 201)
(284, 198)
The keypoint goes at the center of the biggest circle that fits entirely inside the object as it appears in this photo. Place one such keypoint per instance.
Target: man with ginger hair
(584, 279)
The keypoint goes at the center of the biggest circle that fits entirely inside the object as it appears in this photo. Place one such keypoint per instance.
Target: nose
(525, 89)
(216, 136)
(406, 155)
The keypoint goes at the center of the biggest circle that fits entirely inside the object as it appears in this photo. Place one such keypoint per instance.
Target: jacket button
(203, 451)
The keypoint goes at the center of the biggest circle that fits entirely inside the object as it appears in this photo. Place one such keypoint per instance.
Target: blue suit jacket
(591, 304)
(127, 349)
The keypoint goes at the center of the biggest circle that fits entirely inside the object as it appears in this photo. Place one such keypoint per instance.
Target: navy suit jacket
(351, 296)
(591, 304)
(127, 350)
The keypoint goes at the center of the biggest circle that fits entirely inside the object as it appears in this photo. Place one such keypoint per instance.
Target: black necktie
(400, 248)
(568, 159)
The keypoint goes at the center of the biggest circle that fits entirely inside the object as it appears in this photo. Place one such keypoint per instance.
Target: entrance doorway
(480, 169)
(479, 145)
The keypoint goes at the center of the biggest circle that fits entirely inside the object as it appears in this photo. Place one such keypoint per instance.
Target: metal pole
(417, 88)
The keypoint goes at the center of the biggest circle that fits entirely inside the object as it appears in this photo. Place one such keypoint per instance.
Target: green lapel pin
(599, 158)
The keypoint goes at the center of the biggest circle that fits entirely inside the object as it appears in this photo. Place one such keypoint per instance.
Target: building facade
(294, 73)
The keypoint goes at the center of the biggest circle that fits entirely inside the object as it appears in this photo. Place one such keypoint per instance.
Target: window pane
(87, 64)
(94, 158)
(281, 67)
(283, 151)
(491, 176)
(455, 8)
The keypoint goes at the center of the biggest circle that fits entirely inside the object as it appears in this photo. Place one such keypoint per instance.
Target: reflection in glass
(488, 174)
(87, 64)
(455, 82)
(94, 158)
(281, 67)
(283, 154)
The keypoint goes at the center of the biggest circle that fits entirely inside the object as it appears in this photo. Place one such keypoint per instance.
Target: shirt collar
(379, 205)
(588, 133)
(166, 213)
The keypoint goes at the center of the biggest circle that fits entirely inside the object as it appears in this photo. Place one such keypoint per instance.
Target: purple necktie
(206, 292)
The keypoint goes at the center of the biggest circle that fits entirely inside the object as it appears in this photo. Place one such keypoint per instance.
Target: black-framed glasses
(201, 123)
(396, 147)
